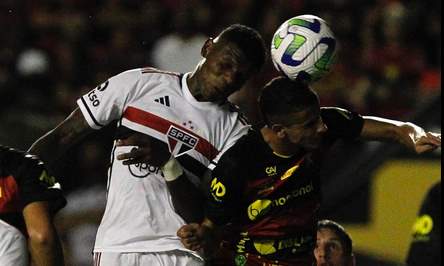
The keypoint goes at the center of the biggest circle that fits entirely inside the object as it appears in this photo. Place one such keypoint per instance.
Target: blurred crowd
(54, 51)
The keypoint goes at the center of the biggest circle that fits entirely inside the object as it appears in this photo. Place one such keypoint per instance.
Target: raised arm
(408, 134)
(53, 144)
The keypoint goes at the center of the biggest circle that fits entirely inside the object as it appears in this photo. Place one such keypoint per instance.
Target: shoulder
(235, 111)
(145, 74)
(239, 154)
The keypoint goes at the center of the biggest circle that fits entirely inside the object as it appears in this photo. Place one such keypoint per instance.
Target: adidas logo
(165, 100)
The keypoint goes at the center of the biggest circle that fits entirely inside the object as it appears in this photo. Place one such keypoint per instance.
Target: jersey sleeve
(33, 181)
(224, 189)
(107, 101)
(342, 123)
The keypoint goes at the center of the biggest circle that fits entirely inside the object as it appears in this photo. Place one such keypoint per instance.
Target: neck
(193, 85)
(280, 146)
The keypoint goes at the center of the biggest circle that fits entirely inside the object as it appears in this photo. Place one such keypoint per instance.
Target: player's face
(329, 250)
(307, 129)
(224, 71)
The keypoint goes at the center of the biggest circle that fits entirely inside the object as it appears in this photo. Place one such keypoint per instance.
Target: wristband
(171, 170)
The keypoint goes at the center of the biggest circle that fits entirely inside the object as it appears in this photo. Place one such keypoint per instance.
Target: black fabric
(33, 181)
(425, 248)
(274, 199)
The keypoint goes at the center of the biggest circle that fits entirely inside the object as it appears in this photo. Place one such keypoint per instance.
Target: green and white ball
(304, 47)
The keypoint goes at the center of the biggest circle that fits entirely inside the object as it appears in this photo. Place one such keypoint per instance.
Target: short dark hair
(249, 41)
(344, 237)
(283, 96)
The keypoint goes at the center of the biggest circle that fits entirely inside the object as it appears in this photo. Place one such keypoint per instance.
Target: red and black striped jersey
(23, 180)
(271, 201)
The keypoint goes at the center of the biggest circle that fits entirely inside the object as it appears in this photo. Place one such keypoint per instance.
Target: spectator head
(333, 245)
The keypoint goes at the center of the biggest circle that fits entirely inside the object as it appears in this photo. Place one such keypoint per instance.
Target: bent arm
(408, 134)
(44, 244)
(56, 142)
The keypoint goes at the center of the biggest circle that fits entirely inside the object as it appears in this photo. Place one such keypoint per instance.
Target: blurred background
(389, 64)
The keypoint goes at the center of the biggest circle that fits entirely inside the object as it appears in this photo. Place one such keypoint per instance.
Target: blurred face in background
(329, 249)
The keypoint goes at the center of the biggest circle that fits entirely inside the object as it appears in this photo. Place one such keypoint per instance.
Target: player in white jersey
(13, 249)
(187, 117)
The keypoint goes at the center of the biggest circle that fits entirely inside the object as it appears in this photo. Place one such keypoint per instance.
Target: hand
(193, 236)
(148, 150)
(421, 141)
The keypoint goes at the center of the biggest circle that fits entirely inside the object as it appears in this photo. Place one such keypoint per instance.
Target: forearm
(46, 250)
(407, 134)
(56, 142)
(43, 242)
(187, 199)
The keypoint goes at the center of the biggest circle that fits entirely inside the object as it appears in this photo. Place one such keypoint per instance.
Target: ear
(279, 130)
(205, 48)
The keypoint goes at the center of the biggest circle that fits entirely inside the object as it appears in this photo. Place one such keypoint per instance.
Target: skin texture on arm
(408, 134)
(56, 142)
(44, 244)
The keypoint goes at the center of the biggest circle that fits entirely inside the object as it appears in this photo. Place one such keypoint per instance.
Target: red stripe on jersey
(162, 125)
(9, 195)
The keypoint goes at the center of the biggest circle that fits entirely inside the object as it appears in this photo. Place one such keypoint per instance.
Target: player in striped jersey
(29, 198)
(267, 186)
(187, 117)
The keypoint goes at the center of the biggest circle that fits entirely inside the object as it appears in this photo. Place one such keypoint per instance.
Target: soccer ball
(303, 47)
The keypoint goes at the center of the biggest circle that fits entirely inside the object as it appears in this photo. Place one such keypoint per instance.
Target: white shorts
(13, 247)
(167, 258)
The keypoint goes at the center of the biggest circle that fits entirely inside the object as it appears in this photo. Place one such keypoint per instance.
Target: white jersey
(139, 214)
(13, 247)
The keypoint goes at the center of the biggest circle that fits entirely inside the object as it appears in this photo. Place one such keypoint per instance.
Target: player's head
(333, 245)
(230, 60)
(291, 109)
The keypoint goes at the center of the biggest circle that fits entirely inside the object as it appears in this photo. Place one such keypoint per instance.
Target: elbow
(42, 237)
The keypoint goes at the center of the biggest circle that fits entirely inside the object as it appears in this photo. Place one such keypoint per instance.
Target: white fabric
(13, 248)
(139, 215)
(170, 258)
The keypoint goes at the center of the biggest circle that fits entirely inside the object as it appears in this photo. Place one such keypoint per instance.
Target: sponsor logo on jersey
(218, 189)
(267, 247)
(103, 86)
(165, 100)
(289, 172)
(422, 227)
(271, 170)
(142, 170)
(180, 142)
(261, 207)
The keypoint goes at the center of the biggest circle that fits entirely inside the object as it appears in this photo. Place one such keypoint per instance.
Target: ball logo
(180, 142)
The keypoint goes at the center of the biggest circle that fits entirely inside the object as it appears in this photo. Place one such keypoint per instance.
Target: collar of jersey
(190, 98)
